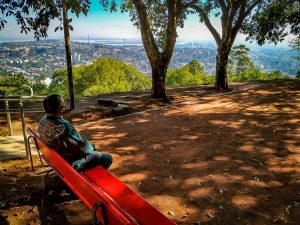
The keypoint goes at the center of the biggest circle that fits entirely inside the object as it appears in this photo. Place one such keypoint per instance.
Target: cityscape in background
(32, 58)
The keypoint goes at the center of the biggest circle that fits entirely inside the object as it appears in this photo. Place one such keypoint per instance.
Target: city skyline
(31, 58)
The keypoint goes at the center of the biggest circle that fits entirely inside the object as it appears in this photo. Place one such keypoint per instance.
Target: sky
(99, 24)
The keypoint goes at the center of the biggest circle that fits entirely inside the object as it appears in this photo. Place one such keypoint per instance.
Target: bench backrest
(122, 205)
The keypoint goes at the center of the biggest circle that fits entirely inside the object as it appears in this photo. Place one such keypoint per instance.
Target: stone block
(107, 102)
(121, 110)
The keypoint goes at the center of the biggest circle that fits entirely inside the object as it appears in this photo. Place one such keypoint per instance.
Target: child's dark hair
(52, 103)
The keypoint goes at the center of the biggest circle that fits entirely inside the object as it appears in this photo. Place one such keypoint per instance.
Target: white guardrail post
(24, 128)
(8, 116)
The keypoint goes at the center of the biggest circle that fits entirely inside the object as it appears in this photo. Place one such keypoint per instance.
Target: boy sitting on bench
(62, 136)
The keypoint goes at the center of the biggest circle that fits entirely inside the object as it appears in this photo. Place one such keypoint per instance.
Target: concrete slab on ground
(12, 147)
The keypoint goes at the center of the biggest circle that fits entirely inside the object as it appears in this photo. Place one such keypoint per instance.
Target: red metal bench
(111, 201)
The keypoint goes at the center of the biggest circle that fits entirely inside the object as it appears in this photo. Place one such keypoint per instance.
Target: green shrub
(105, 75)
(190, 74)
(256, 74)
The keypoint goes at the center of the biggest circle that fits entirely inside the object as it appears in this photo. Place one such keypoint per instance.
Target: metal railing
(21, 110)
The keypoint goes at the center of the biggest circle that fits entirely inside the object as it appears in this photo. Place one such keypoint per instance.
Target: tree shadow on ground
(228, 159)
(23, 200)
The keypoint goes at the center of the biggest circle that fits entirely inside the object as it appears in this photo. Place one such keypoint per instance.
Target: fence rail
(24, 86)
(18, 110)
(19, 98)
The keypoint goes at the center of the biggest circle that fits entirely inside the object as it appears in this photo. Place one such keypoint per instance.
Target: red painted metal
(133, 203)
(123, 206)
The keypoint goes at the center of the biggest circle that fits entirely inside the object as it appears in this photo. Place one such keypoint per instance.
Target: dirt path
(208, 159)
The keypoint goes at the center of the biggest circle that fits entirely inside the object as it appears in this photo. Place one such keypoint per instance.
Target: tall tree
(158, 22)
(68, 52)
(36, 15)
(233, 14)
(239, 60)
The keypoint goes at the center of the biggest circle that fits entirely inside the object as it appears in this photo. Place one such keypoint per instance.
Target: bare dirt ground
(210, 158)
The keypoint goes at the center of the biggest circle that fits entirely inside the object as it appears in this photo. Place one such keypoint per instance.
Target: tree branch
(242, 15)
(223, 6)
(251, 7)
(171, 28)
(207, 22)
(230, 18)
(240, 19)
(187, 5)
(147, 35)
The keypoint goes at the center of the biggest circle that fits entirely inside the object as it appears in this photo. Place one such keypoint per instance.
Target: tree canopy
(105, 75)
(232, 15)
(12, 79)
(158, 22)
(190, 74)
(273, 21)
(36, 15)
(239, 61)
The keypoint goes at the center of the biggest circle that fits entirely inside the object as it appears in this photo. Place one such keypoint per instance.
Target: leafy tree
(3, 72)
(17, 9)
(190, 74)
(45, 11)
(38, 85)
(270, 21)
(13, 79)
(298, 74)
(105, 75)
(239, 61)
(256, 74)
(233, 15)
(273, 22)
(295, 44)
(158, 22)
(195, 67)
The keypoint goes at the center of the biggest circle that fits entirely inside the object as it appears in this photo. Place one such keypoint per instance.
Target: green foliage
(241, 67)
(193, 74)
(105, 75)
(10, 79)
(270, 20)
(239, 61)
(39, 87)
(33, 15)
(256, 74)
(190, 74)
(295, 44)
(195, 67)
(298, 74)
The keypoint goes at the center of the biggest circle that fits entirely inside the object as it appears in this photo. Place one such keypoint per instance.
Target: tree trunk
(159, 72)
(68, 54)
(221, 70)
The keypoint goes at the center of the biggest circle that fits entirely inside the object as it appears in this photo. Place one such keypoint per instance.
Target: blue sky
(102, 24)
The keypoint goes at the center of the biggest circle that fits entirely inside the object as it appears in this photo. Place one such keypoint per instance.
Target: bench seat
(119, 204)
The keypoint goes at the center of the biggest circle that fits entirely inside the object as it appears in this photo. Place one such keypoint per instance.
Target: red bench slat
(84, 189)
(133, 203)
(123, 206)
